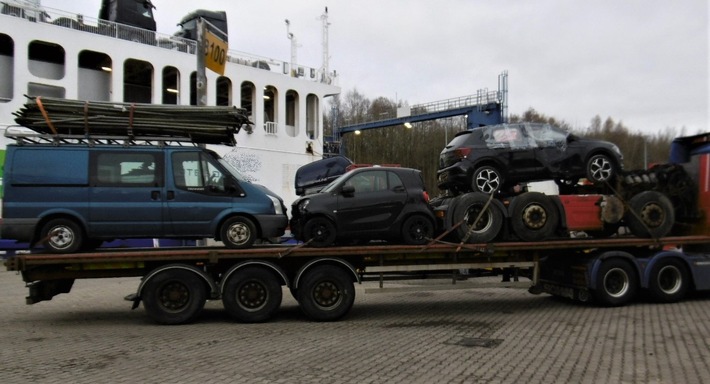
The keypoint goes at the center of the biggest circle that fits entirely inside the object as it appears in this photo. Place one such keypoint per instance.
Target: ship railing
(271, 128)
(126, 32)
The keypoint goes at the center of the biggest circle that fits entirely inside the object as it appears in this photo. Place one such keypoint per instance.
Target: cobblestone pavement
(472, 335)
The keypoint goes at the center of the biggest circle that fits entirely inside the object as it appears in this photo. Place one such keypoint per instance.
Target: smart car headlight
(303, 206)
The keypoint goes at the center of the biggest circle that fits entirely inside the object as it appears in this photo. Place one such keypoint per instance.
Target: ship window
(292, 113)
(312, 116)
(224, 91)
(46, 60)
(171, 85)
(7, 68)
(247, 98)
(270, 108)
(37, 89)
(94, 76)
(137, 81)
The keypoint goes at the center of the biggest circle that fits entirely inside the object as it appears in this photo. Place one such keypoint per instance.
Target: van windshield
(233, 171)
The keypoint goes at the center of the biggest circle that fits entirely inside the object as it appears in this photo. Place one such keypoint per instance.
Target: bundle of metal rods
(204, 125)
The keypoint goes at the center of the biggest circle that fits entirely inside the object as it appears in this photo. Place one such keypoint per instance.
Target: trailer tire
(417, 230)
(238, 232)
(326, 293)
(616, 283)
(174, 296)
(252, 295)
(320, 231)
(467, 209)
(669, 281)
(652, 215)
(61, 236)
(533, 216)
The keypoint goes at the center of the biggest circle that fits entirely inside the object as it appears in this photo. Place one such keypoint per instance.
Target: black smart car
(490, 158)
(373, 203)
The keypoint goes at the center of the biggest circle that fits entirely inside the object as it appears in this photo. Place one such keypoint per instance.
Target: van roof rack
(23, 136)
(65, 119)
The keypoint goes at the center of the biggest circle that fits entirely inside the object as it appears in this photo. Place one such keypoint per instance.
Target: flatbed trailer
(176, 282)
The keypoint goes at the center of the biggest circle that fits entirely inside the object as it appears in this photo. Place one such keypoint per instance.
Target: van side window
(127, 169)
(194, 171)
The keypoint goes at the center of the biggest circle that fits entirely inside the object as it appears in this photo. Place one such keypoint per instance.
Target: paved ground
(492, 335)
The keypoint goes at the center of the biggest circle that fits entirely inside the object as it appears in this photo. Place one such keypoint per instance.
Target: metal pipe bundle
(203, 125)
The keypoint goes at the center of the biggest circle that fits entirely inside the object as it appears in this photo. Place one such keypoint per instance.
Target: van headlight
(277, 205)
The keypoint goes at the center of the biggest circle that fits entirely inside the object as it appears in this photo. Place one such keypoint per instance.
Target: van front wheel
(238, 232)
(61, 236)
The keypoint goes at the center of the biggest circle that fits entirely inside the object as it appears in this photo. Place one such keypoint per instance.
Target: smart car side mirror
(347, 190)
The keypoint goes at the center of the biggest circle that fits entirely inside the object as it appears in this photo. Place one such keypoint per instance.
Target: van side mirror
(347, 190)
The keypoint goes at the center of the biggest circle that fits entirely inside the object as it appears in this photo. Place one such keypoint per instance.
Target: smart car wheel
(238, 232)
(600, 168)
(320, 231)
(417, 230)
(486, 179)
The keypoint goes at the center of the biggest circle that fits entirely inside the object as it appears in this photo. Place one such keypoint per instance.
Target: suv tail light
(462, 153)
(426, 196)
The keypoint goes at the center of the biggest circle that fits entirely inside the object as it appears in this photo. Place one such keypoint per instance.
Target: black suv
(490, 158)
(373, 203)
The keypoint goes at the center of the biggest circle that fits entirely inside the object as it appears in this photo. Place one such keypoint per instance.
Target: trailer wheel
(616, 283)
(468, 208)
(652, 215)
(533, 216)
(417, 230)
(252, 295)
(61, 236)
(174, 296)
(326, 293)
(321, 231)
(669, 281)
(238, 232)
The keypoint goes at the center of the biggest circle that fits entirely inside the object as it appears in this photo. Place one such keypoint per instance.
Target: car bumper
(452, 176)
(272, 225)
(18, 229)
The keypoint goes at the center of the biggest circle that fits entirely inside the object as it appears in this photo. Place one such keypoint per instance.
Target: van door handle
(155, 195)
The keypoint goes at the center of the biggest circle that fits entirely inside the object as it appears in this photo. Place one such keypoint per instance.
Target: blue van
(72, 197)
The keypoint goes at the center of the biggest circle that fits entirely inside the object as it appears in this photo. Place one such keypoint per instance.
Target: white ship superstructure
(48, 52)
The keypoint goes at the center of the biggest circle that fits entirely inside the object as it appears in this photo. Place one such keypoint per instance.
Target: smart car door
(374, 205)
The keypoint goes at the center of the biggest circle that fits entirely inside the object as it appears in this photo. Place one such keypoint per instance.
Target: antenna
(294, 46)
(326, 57)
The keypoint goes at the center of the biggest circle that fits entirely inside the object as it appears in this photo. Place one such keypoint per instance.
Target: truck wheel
(486, 179)
(321, 231)
(61, 236)
(600, 168)
(616, 283)
(252, 295)
(417, 230)
(174, 296)
(326, 293)
(533, 216)
(651, 215)
(467, 209)
(669, 281)
(238, 232)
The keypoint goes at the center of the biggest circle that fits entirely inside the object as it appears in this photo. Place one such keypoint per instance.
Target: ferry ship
(53, 53)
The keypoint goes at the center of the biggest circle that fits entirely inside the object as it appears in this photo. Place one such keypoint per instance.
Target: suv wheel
(486, 179)
(600, 168)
